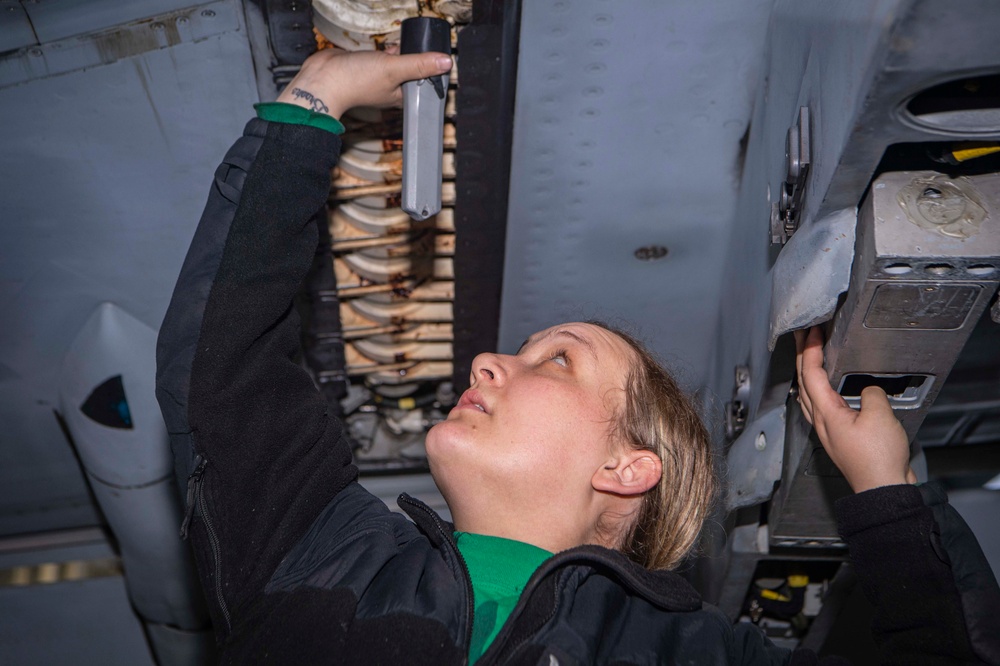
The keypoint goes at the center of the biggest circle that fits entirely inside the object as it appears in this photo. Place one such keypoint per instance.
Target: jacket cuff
(877, 507)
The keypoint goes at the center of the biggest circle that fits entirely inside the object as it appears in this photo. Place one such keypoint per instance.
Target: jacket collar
(665, 589)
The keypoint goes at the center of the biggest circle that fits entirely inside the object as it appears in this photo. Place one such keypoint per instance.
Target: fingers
(800, 339)
(820, 395)
(804, 398)
(874, 399)
(415, 66)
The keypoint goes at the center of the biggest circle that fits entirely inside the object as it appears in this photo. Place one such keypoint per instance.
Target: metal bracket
(811, 273)
(754, 460)
(290, 25)
(738, 407)
(798, 157)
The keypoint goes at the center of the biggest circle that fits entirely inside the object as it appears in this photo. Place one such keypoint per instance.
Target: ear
(630, 472)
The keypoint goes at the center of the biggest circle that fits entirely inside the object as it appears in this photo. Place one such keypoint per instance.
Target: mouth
(472, 399)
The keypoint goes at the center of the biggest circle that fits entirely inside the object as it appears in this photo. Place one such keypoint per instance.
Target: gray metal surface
(105, 174)
(753, 462)
(88, 623)
(15, 26)
(811, 273)
(120, 42)
(627, 133)
(58, 19)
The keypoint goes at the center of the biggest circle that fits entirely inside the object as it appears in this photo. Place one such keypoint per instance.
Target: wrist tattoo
(315, 102)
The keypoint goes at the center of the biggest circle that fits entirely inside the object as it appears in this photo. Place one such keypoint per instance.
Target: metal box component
(927, 263)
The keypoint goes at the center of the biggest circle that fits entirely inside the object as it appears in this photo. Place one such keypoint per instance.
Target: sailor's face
(536, 424)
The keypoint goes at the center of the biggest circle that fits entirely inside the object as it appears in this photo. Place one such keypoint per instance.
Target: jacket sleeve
(247, 425)
(935, 597)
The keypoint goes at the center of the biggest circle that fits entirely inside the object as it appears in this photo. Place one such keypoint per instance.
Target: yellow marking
(966, 154)
(774, 596)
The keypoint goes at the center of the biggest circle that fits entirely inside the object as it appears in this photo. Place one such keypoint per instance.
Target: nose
(489, 369)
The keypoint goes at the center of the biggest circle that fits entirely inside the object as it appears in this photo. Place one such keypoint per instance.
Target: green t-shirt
(499, 568)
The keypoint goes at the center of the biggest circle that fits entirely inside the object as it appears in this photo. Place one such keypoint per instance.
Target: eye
(560, 357)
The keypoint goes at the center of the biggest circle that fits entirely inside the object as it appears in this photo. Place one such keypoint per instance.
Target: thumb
(874, 399)
(413, 66)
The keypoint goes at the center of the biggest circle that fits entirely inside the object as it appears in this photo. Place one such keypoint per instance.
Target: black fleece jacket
(302, 566)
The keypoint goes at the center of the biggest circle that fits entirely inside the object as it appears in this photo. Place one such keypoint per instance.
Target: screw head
(208, 13)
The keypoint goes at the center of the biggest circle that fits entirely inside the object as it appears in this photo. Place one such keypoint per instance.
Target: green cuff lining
(280, 112)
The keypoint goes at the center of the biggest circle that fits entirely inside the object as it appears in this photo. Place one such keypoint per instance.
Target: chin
(440, 443)
(437, 457)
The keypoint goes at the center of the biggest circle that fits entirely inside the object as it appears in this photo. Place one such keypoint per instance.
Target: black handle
(423, 33)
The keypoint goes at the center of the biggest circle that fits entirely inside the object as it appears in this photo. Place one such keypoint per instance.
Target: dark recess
(485, 123)
(973, 93)
(893, 386)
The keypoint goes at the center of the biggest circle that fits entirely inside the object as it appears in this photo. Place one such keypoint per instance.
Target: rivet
(208, 13)
(182, 20)
(35, 52)
(761, 443)
(157, 26)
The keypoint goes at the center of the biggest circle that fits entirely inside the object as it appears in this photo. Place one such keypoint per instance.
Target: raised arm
(249, 430)
(935, 597)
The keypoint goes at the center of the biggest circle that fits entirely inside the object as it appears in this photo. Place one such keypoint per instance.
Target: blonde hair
(656, 416)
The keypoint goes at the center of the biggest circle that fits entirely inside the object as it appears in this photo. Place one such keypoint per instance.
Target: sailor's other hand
(332, 81)
(869, 446)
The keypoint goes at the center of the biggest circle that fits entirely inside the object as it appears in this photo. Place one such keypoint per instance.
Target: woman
(576, 472)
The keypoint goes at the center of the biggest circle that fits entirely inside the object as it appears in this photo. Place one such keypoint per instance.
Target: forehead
(607, 346)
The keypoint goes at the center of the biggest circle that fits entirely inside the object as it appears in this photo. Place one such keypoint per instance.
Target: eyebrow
(582, 340)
